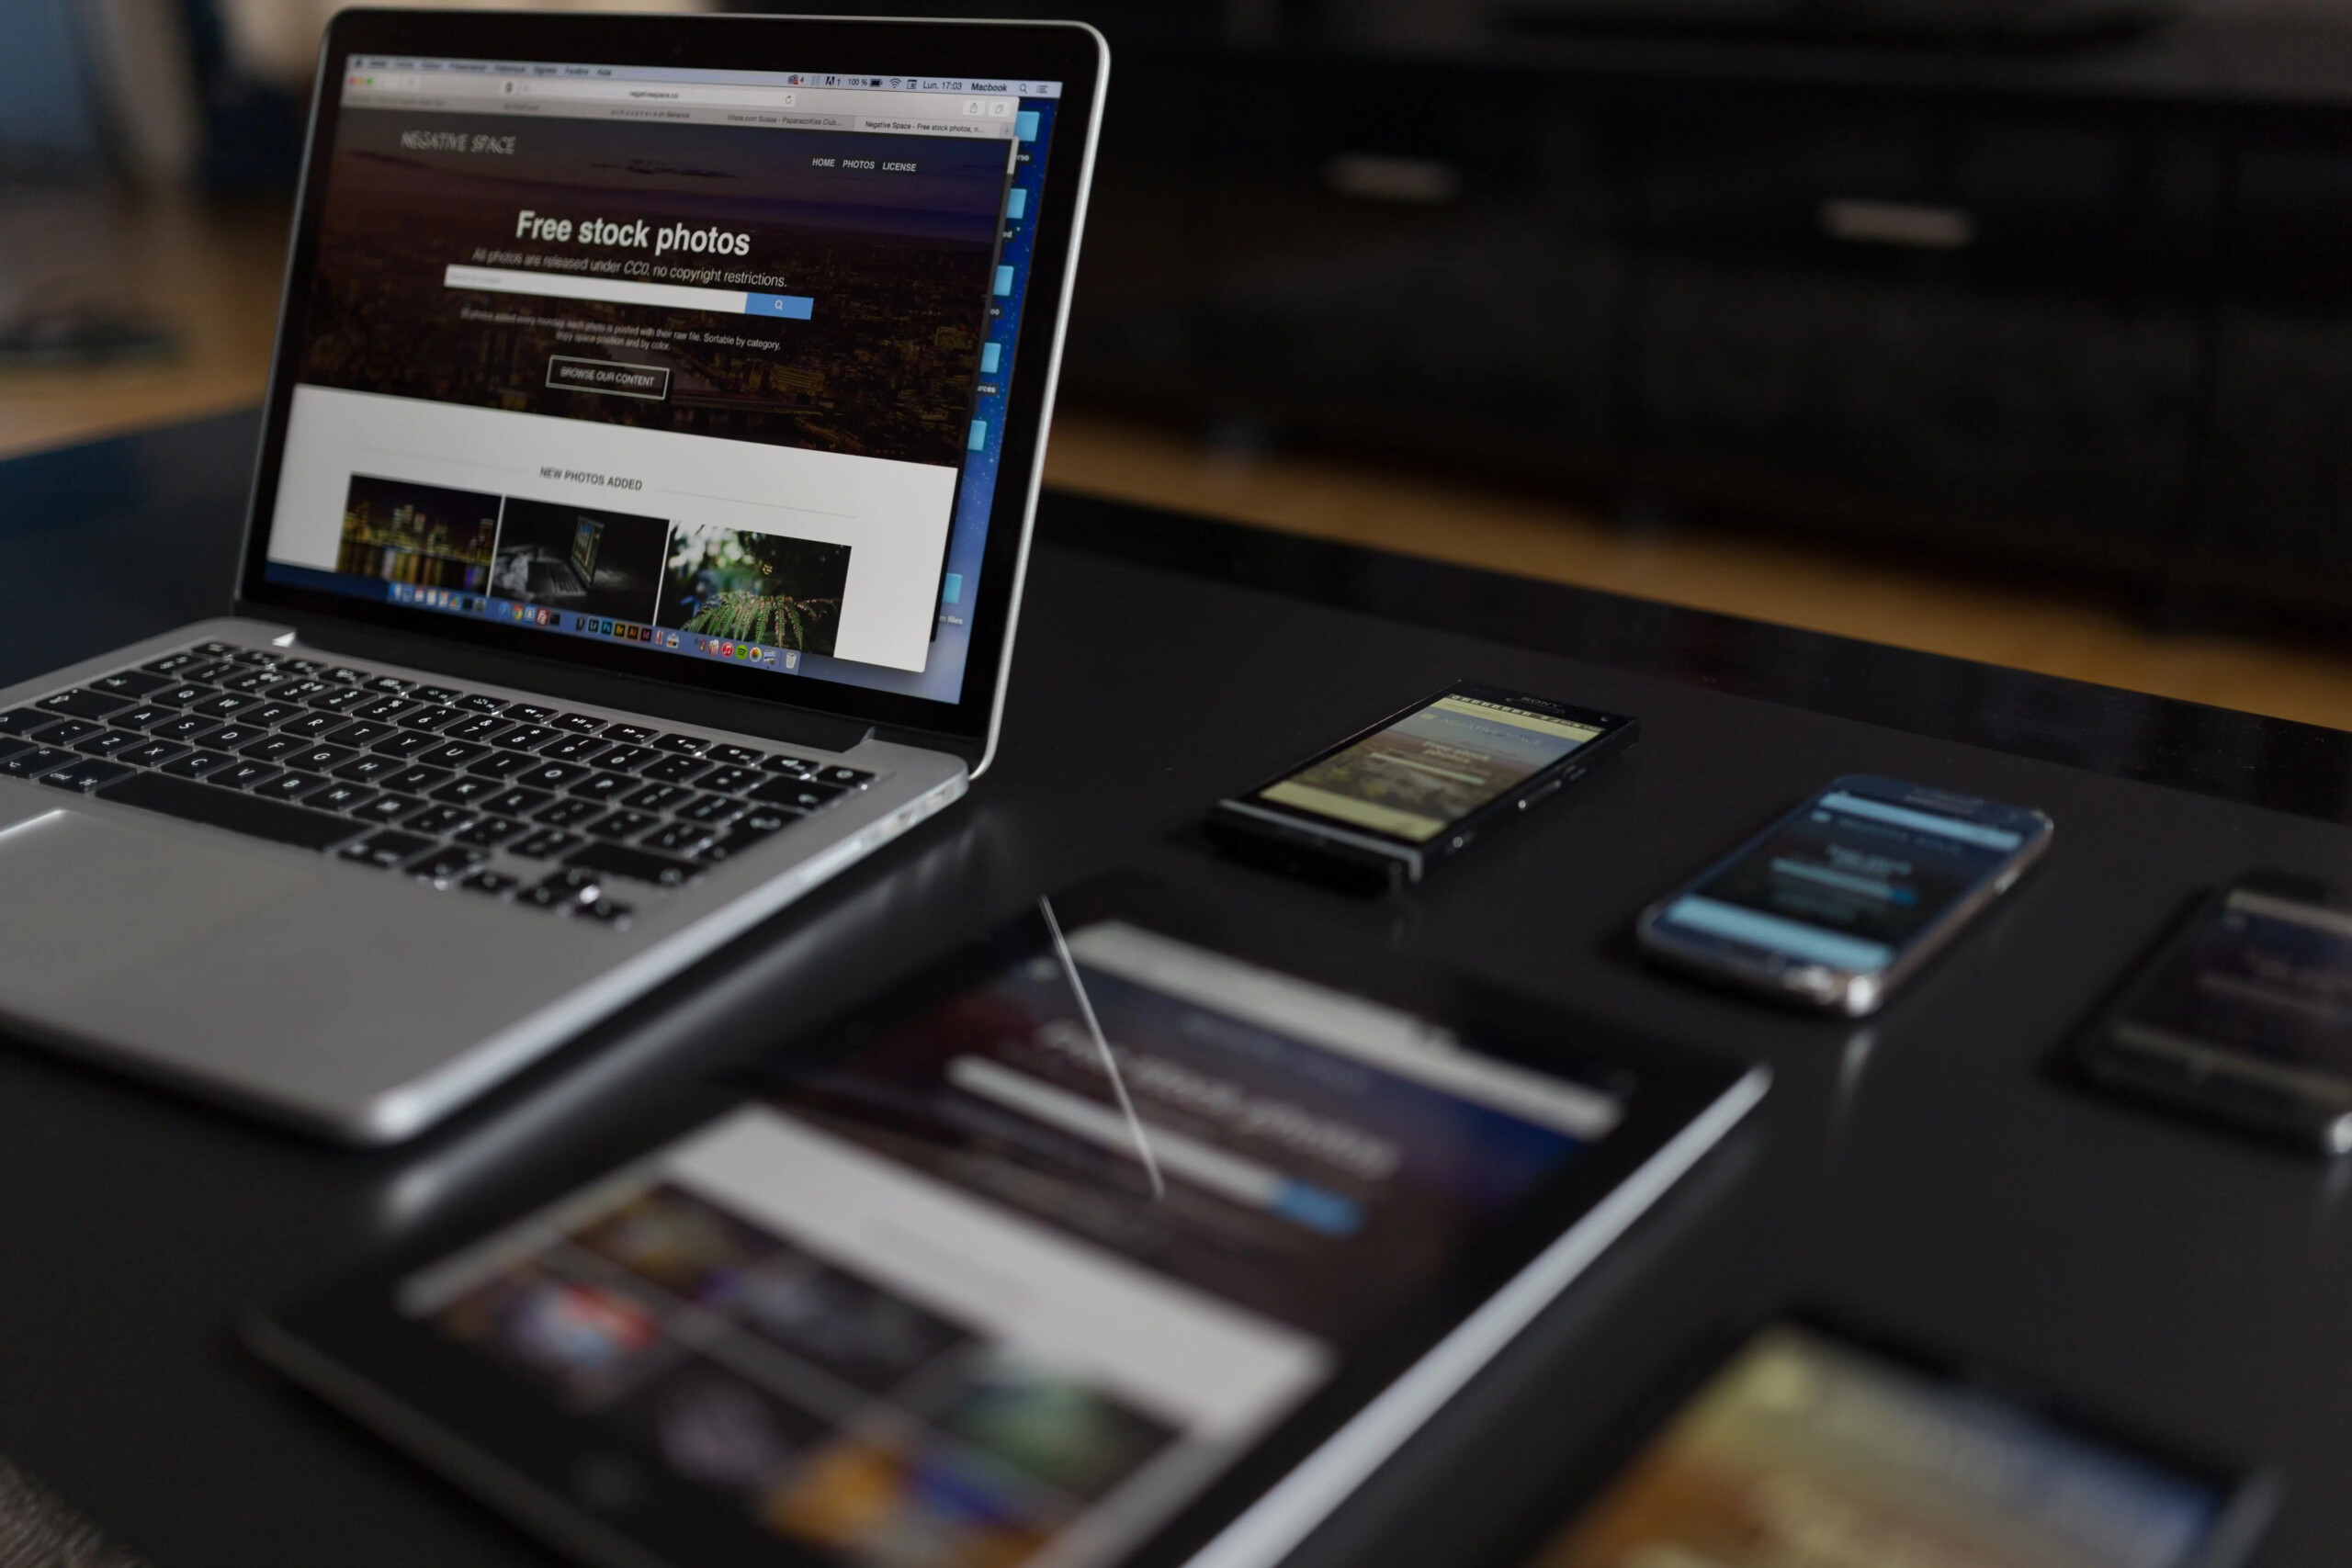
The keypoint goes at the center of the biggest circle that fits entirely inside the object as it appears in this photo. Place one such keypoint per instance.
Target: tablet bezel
(514, 1447)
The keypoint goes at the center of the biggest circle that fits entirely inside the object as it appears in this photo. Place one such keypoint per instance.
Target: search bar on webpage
(620, 291)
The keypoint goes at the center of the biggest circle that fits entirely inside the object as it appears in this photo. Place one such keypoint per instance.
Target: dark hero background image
(898, 265)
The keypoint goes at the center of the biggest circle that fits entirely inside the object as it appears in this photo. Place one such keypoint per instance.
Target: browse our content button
(613, 379)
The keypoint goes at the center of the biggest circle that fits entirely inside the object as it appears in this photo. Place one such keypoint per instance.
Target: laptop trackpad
(81, 897)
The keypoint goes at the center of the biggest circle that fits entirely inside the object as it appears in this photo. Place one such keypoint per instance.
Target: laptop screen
(709, 363)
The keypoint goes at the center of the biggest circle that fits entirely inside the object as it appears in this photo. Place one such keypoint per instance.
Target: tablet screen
(1806, 1450)
(993, 1288)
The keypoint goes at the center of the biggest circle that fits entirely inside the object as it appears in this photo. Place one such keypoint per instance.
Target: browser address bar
(620, 291)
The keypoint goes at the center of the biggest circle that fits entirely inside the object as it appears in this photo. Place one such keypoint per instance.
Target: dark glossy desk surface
(1921, 1171)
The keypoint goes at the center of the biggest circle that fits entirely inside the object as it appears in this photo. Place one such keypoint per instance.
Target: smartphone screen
(1414, 779)
(1810, 1449)
(2265, 977)
(1848, 881)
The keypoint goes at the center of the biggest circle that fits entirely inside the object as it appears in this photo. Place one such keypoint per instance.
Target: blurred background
(2017, 330)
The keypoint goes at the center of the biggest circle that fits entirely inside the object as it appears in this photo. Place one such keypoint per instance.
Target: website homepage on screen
(710, 363)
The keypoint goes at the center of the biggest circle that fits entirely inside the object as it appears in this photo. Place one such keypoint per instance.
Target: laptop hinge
(566, 682)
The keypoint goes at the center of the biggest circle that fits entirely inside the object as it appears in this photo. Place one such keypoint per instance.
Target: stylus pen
(1109, 1064)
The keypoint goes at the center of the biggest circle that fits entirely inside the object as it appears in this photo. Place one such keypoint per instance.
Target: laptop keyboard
(547, 808)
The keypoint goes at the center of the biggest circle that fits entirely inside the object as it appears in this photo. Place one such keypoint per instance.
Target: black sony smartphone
(2244, 1016)
(1811, 1443)
(1420, 786)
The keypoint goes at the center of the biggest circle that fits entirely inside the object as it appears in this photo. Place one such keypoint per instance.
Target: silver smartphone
(1835, 903)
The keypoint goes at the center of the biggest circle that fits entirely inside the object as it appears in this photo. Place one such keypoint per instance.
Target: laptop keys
(479, 727)
(447, 863)
(383, 709)
(675, 770)
(149, 753)
(712, 809)
(386, 849)
(381, 809)
(244, 773)
(731, 780)
(367, 768)
(799, 794)
(358, 733)
(183, 727)
(312, 724)
(516, 801)
(83, 775)
(82, 703)
(106, 742)
(551, 776)
(438, 820)
(224, 704)
(544, 844)
(679, 838)
(312, 757)
(127, 683)
(346, 797)
(573, 749)
(199, 764)
(625, 759)
(451, 754)
(528, 736)
(415, 779)
(271, 711)
(274, 748)
(658, 797)
(343, 699)
(603, 786)
(406, 743)
(431, 717)
(287, 787)
(432, 779)
(468, 790)
(637, 865)
(38, 760)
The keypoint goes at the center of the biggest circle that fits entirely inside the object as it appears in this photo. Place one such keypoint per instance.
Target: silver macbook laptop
(636, 541)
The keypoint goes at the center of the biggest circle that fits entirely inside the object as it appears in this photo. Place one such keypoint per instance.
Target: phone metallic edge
(2304, 1106)
(1364, 859)
(1853, 990)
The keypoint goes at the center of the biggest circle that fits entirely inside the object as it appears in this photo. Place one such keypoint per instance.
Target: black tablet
(1811, 1442)
(1140, 1231)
